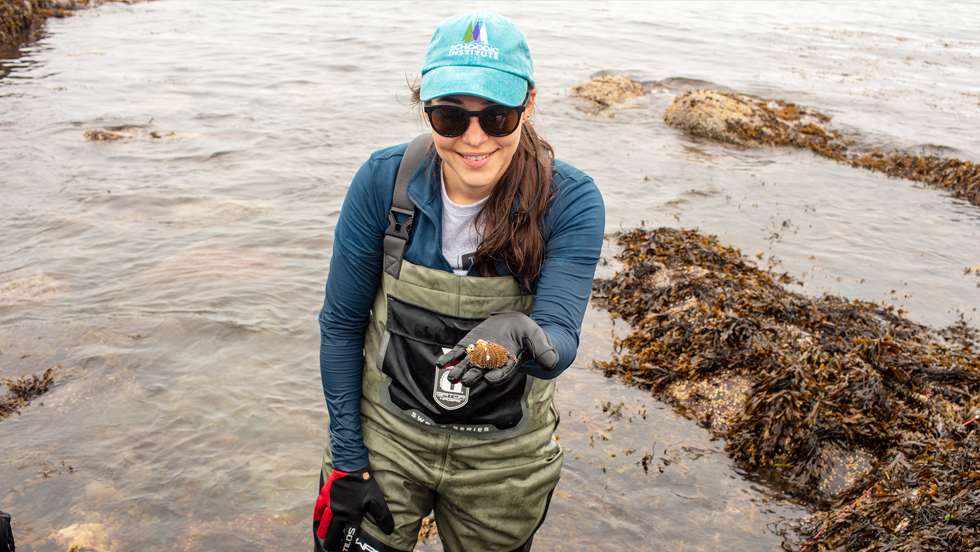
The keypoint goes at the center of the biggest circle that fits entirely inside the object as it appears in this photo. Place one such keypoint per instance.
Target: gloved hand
(516, 332)
(342, 502)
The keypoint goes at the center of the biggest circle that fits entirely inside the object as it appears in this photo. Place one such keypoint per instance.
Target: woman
(489, 239)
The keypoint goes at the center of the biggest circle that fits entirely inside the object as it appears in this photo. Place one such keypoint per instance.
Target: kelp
(827, 377)
(926, 496)
(960, 178)
(23, 390)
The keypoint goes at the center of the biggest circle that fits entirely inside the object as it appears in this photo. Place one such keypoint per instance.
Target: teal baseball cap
(481, 54)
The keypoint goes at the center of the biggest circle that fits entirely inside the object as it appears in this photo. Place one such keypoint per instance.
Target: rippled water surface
(175, 277)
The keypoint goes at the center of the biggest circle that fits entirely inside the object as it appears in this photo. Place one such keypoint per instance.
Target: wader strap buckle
(399, 229)
(397, 233)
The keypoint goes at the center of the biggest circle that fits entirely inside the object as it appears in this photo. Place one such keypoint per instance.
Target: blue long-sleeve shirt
(573, 229)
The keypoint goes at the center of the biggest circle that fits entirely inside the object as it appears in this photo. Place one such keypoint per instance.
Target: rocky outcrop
(746, 121)
(602, 92)
(16, 19)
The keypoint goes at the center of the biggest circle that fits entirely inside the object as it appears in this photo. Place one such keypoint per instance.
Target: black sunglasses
(497, 120)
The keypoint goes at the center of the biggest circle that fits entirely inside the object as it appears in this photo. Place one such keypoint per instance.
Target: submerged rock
(124, 133)
(607, 90)
(96, 537)
(29, 288)
(827, 396)
(747, 121)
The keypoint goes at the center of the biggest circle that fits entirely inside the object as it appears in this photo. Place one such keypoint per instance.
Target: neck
(458, 193)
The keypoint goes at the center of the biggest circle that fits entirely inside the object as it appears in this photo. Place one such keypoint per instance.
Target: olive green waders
(488, 483)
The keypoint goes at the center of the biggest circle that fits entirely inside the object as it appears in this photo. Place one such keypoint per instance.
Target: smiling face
(474, 162)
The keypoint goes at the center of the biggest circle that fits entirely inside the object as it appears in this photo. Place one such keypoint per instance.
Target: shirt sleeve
(353, 278)
(574, 231)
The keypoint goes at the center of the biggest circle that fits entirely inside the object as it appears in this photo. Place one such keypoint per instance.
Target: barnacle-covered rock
(607, 90)
(747, 121)
(486, 354)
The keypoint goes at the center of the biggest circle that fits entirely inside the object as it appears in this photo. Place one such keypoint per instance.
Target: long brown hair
(510, 223)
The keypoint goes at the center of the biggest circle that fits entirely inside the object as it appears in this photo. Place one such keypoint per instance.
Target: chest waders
(482, 453)
(420, 313)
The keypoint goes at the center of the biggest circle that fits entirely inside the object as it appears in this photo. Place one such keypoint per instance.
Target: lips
(476, 160)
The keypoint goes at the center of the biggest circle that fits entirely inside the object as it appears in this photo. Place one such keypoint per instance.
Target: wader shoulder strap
(396, 236)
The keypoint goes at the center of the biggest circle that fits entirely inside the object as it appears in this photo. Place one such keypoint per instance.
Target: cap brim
(498, 86)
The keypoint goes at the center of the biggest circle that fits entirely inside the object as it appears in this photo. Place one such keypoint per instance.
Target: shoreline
(21, 21)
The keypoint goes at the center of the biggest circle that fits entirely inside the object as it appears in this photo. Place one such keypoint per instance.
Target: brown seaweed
(748, 121)
(23, 390)
(827, 376)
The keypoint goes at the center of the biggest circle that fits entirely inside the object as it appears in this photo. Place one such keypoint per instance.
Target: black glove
(522, 337)
(6, 534)
(342, 502)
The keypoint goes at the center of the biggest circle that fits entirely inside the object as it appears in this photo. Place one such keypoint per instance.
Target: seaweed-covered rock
(833, 386)
(960, 178)
(124, 133)
(747, 121)
(826, 395)
(608, 90)
(16, 17)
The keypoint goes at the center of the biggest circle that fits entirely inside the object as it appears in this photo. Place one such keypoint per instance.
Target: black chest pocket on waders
(414, 338)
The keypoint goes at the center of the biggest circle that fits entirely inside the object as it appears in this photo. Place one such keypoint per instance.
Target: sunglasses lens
(448, 120)
(500, 120)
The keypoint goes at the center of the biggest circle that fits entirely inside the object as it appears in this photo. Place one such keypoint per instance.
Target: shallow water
(176, 280)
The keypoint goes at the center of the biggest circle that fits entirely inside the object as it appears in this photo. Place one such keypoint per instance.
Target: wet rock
(842, 469)
(747, 121)
(90, 536)
(33, 287)
(715, 402)
(100, 135)
(63, 4)
(607, 90)
(16, 18)
(124, 133)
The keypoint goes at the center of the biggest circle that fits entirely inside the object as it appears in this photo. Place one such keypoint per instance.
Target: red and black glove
(524, 340)
(343, 500)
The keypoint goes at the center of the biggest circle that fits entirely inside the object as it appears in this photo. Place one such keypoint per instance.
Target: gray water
(176, 280)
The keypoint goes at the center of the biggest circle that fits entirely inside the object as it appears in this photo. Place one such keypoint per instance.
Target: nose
(474, 134)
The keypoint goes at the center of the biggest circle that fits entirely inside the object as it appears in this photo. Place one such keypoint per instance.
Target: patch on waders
(447, 394)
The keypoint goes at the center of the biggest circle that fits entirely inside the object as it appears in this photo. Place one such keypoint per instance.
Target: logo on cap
(476, 33)
(475, 43)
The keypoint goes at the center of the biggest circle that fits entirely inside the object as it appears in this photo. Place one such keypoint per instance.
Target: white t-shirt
(459, 236)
